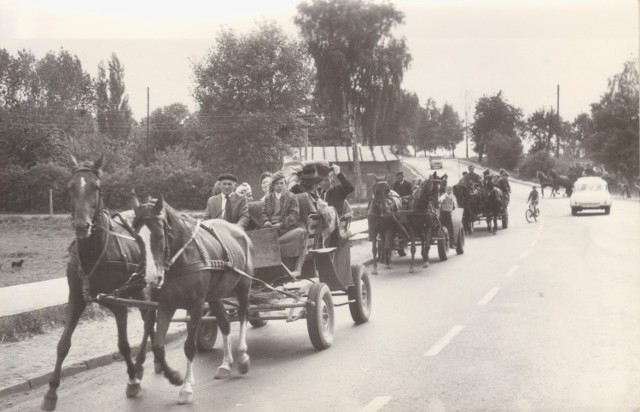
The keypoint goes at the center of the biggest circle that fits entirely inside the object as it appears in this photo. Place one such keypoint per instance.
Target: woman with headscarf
(265, 183)
(281, 210)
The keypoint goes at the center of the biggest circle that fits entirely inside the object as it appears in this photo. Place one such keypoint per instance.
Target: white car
(590, 192)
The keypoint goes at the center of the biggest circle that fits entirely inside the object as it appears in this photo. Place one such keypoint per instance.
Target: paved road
(540, 316)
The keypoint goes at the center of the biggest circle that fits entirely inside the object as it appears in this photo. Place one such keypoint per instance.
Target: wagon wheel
(460, 244)
(320, 318)
(443, 244)
(207, 334)
(505, 221)
(360, 293)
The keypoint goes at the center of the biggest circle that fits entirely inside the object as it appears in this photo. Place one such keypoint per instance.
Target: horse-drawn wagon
(277, 294)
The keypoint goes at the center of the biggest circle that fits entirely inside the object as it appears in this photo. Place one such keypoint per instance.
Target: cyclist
(533, 200)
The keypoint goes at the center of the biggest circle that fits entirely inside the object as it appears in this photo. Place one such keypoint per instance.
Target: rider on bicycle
(533, 198)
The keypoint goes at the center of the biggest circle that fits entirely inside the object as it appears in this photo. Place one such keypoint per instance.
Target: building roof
(339, 154)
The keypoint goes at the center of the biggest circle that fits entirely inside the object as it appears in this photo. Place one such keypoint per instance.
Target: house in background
(374, 160)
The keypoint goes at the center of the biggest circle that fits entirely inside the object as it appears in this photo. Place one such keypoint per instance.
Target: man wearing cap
(401, 186)
(228, 205)
(472, 179)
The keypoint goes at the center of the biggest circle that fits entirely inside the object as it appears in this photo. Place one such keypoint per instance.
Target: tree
(503, 150)
(428, 127)
(250, 90)
(615, 121)
(540, 127)
(262, 72)
(581, 127)
(46, 104)
(357, 60)
(540, 161)
(167, 126)
(493, 114)
(113, 112)
(450, 130)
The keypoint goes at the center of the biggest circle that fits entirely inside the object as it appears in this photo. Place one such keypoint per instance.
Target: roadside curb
(74, 369)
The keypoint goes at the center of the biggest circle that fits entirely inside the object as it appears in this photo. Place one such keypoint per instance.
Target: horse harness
(100, 263)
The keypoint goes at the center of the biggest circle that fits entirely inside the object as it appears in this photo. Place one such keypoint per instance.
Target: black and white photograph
(320, 205)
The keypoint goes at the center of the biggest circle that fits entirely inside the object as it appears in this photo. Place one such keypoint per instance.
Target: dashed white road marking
(534, 243)
(513, 270)
(376, 404)
(490, 294)
(524, 254)
(444, 341)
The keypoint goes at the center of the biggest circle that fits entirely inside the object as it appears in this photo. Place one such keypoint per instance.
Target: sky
(462, 49)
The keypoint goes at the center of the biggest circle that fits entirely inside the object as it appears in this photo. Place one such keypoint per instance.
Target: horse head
(380, 200)
(151, 225)
(428, 193)
(85, 195)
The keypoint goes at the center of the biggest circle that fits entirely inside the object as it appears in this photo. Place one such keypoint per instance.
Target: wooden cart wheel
(360, 293)
(320, 318)
(443, 244)
(460, 244)
(206, 335)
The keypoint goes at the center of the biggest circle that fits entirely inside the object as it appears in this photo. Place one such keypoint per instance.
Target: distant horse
(104, 255)
(188, 263)
(493, 205)
(470, 200)
(382, 221)
(562, 180)
(421, 218)
(546, 181)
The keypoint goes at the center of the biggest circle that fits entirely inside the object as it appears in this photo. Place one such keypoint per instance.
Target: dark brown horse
(421, 218)
(471, 201)
(546, 181)
(493, 206)
(382, 221)
(562, 180)
(188, 263)
(103, 257)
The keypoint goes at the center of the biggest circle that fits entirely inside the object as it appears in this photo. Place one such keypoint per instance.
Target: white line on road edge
(376, 404)
(513, 270)
(524, 254)
(435, 349)
(490, 294)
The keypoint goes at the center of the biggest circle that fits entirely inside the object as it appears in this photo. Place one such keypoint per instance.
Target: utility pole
(147, 156)
(466, 125)
(559, 125)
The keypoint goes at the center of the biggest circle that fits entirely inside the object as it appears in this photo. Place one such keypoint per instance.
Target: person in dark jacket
(401, 186)
(336, 194)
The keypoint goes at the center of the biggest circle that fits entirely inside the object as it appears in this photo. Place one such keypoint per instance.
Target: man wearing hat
(228, 205)
(401, 186)
(472, 179)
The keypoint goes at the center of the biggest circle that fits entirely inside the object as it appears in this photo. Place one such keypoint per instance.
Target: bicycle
(532, 213)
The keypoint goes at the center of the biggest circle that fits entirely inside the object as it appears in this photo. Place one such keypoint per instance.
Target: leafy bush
(503, 150)
(538, 161)
(27, 190)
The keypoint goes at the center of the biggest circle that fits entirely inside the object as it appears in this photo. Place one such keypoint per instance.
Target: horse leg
(426, 245)
(149, 319)
(74, 309)
(374, 251)
(164, 318)
(120, 313)
(413, 248)
(388, 243)
(244, 361)
(195, 317)
(224, 323)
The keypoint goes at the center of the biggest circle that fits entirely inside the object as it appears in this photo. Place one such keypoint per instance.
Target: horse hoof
(49, 402)
(244, 364)
(222, 373)
(185, 397)
(157, 367)
(175, 378)
(133, 389)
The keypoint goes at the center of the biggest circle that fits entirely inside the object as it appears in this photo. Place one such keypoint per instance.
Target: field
(41, 241)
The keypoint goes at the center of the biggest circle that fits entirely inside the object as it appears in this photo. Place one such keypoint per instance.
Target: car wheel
(607, 210)
(574, 211)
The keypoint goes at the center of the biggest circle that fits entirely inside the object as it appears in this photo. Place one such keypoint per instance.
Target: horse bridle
(137, 225)
(86, 168)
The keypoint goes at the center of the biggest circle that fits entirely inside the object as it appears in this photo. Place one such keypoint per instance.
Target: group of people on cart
(290, 196)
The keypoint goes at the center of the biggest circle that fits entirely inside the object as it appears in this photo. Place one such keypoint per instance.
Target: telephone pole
(147, 155)
(559, 125)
